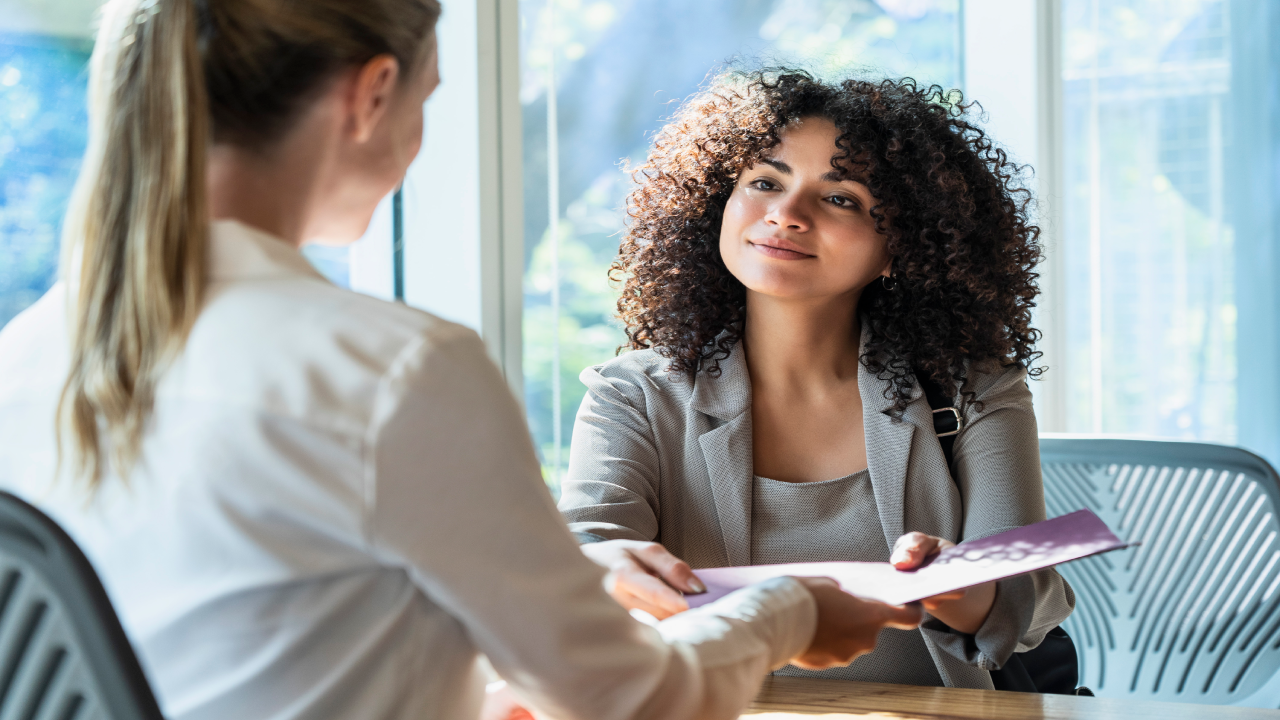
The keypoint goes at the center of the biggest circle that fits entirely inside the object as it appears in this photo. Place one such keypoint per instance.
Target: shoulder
(996, 386)
(317, 317)
(34, 345)
(302, 347)
(638, 368)
(290, 309)
(637, 377)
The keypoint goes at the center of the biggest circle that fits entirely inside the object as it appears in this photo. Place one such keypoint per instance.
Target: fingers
(848, 626)
(913, 548)
(646, 592)
(904, 617)
(817, 661)
(632, 602)
(620, 585)
(670, 568)
(636, 572)
(933, 603)
(818, 583)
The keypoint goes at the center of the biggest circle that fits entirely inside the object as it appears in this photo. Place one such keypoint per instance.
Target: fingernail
(696, 585)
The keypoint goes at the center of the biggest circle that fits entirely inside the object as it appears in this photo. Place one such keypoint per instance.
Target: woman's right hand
(848, 626)
(645, 576)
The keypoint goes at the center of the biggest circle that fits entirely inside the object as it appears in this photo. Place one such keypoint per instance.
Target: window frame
(462, 196)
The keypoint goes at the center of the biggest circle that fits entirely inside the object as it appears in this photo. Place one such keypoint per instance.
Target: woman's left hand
(965, 609)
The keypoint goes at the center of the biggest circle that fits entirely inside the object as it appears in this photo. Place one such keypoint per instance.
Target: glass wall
(42, 137)
(618, 67)
(1152, 246)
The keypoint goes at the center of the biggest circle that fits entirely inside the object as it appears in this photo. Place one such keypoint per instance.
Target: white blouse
(338, 507)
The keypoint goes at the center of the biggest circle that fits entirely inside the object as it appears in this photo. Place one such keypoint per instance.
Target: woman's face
(398, 137)
(381, 124)
(405, 115)
(793, 230)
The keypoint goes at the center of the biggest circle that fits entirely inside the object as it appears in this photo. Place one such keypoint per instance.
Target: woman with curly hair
(801, 259)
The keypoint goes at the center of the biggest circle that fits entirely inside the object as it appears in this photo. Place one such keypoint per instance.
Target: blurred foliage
(43, 133)
(42, 138)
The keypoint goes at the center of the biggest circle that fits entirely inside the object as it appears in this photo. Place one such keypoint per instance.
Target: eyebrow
(785, 169)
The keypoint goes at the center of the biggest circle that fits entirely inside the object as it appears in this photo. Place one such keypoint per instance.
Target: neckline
(832, 481)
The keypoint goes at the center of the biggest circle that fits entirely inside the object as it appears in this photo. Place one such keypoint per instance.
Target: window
(42, 137)
(44, 56)
(1164, 141)
(1153, 125)
(618, 67)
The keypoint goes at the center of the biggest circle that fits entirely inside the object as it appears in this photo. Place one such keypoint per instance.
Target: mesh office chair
(63, 654)
(1192, 614)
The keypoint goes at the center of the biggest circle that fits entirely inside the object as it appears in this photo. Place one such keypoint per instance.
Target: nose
(788, 212)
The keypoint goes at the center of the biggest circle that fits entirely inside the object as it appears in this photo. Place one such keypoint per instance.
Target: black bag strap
(947, 421)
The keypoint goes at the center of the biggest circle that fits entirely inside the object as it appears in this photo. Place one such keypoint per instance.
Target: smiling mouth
(779, 253)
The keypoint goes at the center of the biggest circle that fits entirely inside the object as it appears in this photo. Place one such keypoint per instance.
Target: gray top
(660, 457)
(835, 520)
(815, 521)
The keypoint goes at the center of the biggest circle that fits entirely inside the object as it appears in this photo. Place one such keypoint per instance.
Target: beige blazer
(658, 457)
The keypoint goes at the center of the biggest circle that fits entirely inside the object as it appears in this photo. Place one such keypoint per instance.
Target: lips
(779, 248)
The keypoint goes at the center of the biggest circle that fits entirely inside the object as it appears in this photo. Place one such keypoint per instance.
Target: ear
(372, 90)
(888, 269)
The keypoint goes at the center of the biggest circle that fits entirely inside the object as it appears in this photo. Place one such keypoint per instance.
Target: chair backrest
(1193, 613)
(63, 653)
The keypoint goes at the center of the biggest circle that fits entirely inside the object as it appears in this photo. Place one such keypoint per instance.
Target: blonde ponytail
(167, 78)
(138, 227)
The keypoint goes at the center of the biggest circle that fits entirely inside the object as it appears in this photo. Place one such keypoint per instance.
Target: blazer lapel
(726, 449)
(888, 453)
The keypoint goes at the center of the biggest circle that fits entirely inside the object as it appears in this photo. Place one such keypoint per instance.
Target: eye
(762, 184)
(842, 201)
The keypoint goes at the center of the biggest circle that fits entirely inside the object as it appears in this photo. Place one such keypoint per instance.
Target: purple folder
(1021, 550)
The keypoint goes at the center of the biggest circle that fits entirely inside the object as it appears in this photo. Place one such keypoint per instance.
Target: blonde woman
(306, 503)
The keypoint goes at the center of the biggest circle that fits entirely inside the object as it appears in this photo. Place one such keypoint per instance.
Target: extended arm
(455, 497)
(610, 491)
(997, 468)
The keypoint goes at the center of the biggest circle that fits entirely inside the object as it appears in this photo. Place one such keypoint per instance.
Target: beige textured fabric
(656, 456)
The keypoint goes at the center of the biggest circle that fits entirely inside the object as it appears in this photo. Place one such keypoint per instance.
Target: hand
(644, 576)
(502, 704)
(965, 609)
(911, 551)
(848, 626)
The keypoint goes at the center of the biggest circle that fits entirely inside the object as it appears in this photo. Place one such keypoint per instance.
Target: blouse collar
(240, 252)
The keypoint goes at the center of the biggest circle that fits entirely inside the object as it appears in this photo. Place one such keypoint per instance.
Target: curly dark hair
(951, 205)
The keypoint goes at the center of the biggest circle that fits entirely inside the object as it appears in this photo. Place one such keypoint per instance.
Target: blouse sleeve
(997, 467)
(610, 491)
(454, 495)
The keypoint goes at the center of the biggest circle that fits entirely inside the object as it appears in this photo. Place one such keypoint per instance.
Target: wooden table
(786, 698)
